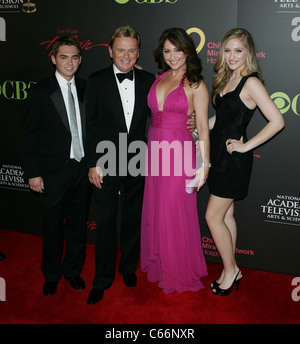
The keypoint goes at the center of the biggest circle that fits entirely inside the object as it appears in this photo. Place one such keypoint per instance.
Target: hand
(235, 145)
(202, 172)
(36, 184)
(191, 123)
(96, 176)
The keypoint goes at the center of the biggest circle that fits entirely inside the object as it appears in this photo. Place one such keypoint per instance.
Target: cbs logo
(285, 103)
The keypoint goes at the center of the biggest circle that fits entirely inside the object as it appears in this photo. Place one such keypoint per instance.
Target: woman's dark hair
(183, 42)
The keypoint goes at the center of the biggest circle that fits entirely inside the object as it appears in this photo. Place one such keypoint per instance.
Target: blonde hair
(125, 31)
(223, 72)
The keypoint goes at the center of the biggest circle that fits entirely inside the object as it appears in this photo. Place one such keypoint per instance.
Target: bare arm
(255, 94)
(201, 103)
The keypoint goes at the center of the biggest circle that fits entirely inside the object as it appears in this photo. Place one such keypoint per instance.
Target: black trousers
(65, 218)
(130, 192)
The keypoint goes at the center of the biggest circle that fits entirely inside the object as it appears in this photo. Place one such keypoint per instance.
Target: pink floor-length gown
(171, 250)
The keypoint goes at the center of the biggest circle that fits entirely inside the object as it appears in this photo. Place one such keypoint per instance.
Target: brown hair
(183, 42)
(66, 40)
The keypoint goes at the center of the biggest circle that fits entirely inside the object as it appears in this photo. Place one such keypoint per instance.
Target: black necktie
(122, 76)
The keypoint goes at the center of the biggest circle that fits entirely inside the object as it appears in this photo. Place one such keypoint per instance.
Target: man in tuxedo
(55, 165)
(117, 106)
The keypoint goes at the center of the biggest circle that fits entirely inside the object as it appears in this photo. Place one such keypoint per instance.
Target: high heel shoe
(214, 285)
(224, 292)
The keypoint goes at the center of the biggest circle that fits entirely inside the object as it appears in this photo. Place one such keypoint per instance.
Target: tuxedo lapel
(115, 98)
(139, 100)
(58, 101)
(80, 96)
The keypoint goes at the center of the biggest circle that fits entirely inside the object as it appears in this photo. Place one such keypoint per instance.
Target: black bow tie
(122, 76)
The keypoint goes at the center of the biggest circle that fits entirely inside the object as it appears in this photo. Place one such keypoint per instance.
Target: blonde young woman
(237, 91)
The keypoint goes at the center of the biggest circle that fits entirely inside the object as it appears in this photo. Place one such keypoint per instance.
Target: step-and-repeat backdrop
(269, 218)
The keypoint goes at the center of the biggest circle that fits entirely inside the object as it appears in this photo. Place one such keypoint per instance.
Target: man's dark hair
(66, 40)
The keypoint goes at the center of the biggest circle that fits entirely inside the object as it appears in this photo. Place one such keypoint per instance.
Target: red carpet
(263, 297)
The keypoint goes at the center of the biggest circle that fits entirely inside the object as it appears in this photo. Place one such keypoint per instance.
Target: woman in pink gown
(171, 250)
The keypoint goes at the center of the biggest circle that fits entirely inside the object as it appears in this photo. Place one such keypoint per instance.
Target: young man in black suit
(116, 107)
(55, 165)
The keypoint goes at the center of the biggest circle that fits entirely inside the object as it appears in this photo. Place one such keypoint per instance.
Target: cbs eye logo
(285, 103)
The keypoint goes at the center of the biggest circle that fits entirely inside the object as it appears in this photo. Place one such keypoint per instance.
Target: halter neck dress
(171, 252)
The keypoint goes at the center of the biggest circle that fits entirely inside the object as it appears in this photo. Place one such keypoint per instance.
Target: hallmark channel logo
(282, 209)
(16, 6)
(123, 2)
(12, 177)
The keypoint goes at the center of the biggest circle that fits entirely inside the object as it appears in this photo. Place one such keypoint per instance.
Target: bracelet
(206, 164)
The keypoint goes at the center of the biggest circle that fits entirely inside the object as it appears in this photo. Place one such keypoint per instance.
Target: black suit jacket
(104, 111)
(46, 131)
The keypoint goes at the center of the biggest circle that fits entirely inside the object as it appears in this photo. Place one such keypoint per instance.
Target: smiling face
(174, 57)
(235, 54)
(67, 61)
(124, 52)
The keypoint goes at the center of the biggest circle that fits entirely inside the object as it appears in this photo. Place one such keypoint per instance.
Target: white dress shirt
(63, 83)
(127, 94)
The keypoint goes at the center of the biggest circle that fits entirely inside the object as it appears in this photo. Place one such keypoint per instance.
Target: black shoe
(95, 296)
(214, 285)
(76, 282)
(130, 280)
(49, 288)
(2, 256)
(225, 292)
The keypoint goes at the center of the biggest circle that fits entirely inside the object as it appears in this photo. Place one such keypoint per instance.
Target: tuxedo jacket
(46, 131)
(105, 115)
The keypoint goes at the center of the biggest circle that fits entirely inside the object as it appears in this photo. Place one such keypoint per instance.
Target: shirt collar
(62, 81)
